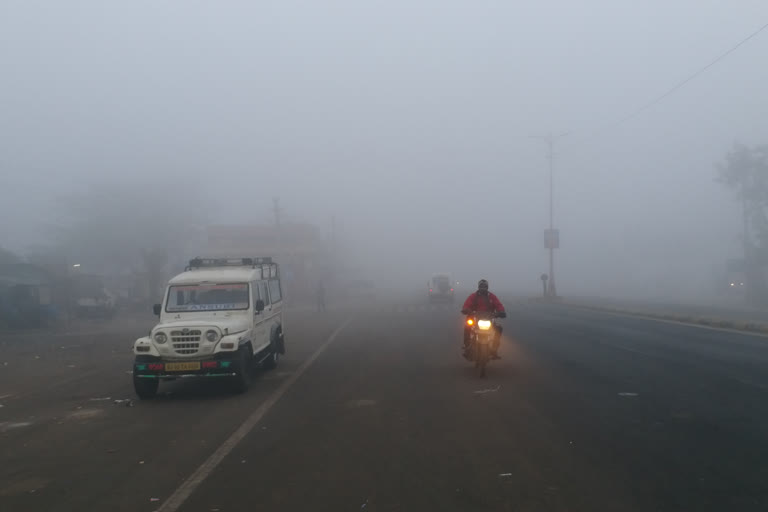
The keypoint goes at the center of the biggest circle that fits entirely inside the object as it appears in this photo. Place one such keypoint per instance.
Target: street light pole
(550, 141)
(551, 281)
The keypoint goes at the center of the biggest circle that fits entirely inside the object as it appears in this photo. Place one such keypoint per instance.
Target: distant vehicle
(731, 284)
(441, 288)
(91, 298)
(731, 278)
(218, 319)
(736, 286)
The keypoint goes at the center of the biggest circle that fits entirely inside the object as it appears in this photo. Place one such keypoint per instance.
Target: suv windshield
(207, 297)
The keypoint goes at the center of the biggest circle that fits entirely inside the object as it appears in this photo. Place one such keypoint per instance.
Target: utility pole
(551, 237)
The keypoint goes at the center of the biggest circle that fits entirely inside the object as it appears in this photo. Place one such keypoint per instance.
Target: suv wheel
(243, 369)
(280, 341)
(146, 389)
(270, 363)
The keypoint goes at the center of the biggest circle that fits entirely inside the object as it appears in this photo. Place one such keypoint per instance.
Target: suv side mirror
(259, 306)
(156, 309)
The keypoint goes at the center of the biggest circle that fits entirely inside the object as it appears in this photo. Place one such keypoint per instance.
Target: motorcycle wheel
(481, 359)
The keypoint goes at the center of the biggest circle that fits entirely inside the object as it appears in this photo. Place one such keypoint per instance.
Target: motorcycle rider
(481, 301)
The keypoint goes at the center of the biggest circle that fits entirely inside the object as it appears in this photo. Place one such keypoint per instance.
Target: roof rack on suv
(228, 262)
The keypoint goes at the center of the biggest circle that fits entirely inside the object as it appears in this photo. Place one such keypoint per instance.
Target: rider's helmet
(482, 286)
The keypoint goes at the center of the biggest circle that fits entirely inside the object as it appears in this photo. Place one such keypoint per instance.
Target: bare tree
(111, 228)
(745, 170)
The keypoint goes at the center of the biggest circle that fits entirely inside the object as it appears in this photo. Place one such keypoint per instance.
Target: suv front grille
(186, 342)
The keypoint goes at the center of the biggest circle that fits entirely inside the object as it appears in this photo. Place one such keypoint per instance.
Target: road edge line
(193, 481)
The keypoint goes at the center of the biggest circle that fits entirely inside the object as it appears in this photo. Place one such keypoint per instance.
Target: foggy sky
(408, 121)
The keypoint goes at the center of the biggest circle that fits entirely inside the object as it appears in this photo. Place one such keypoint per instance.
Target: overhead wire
(688, 79)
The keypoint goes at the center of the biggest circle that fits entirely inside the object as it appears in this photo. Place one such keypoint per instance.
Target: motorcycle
(481, 336)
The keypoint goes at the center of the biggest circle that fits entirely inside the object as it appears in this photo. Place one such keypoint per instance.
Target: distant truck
(441, 288)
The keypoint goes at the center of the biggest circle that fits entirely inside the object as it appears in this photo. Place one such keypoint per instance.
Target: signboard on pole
(551, 238)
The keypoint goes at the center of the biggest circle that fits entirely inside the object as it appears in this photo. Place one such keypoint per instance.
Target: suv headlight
(484, 324)
(212, 336)
(160, 337)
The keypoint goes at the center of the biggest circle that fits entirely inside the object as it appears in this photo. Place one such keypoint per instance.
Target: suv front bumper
(151, 367)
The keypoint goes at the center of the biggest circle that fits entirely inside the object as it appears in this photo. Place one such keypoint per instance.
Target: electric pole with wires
(551, 235)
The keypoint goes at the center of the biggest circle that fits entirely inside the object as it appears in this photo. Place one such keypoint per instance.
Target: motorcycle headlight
(212, 336)
(484, 324)
(160, 337)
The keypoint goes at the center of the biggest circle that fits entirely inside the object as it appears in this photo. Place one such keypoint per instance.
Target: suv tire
(146, 389)
(243, 366)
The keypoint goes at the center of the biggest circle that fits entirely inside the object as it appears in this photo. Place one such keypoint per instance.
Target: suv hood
(226, 325)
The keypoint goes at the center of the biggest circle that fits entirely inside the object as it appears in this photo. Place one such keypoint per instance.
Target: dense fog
(401, 130)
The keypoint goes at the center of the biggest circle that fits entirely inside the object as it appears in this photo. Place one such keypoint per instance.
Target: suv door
(276, 307)
(260, 338)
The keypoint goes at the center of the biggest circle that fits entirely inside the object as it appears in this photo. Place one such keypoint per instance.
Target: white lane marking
(189, 486)
(6, 426)
(489, 390)
(85, 414)
(2, 397)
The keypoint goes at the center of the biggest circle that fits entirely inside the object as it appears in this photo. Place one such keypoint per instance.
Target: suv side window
(274, 290)
(263, 292)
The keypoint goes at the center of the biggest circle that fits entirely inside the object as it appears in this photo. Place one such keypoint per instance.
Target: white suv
(218, 319)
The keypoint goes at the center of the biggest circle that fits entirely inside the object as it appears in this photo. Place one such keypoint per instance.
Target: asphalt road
(734, 309)
(375, 410)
